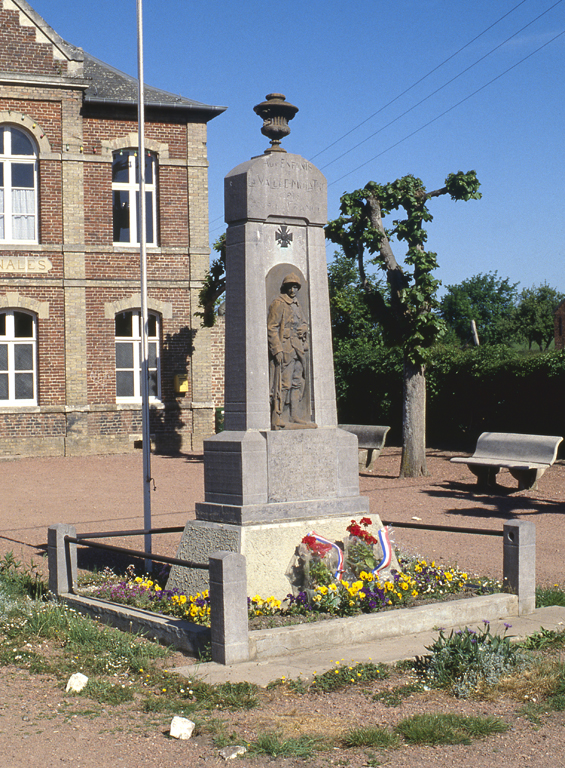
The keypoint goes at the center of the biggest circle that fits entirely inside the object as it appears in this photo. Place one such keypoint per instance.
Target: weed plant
(448, 728)
(370, 736)
(19, 581)
(466, 661)
(273, 745)
(546, 596)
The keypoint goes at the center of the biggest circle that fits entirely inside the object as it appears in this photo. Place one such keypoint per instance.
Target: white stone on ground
(181, 727)
(228, 753)
(76, 682)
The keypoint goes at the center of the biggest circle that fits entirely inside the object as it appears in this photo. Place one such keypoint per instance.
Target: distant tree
(534, 315)
(487, 299)
(351, 319)
(406, 311)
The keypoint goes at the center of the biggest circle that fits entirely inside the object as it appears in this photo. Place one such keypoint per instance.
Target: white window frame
(135, 342)
(8, 218)
(131, 189)
(8, 368)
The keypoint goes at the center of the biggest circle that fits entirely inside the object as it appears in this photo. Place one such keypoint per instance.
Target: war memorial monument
(282, 468)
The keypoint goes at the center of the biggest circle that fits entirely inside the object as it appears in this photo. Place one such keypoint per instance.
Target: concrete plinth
(268, 548)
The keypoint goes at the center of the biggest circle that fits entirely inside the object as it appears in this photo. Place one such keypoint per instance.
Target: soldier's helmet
(292, 278)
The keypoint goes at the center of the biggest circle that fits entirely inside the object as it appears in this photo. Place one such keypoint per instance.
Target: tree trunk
(413, 462)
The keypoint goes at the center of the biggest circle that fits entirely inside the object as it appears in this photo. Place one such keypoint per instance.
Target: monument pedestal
(276, 476)
(265, 491)
(269, 549)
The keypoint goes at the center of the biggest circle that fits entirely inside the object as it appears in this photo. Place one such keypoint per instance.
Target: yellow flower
(364, 575)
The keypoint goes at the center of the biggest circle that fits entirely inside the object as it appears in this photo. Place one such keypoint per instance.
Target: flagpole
(142, 216)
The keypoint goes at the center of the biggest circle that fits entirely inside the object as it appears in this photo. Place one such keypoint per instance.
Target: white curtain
(23, 214)
(1, 214)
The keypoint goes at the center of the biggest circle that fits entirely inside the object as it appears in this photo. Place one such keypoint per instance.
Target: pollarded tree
(407, 309)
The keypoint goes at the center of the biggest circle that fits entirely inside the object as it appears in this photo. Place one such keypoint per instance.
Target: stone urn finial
(276, 114)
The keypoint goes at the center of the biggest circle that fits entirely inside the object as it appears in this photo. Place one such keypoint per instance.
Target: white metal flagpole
(142, 216)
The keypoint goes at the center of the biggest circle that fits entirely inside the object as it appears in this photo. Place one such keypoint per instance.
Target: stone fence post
(519, 563)
(61, 558)
(228, 608)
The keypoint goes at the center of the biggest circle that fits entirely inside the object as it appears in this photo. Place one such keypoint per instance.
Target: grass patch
(273, 745)
(20, 581)
(106, 692)
(549, 596)
(545, 638)
(371, 737)
(448, 728)
(344, 675)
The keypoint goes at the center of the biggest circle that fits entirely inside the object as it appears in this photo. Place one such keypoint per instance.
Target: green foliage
(544, 638)
(448, 728)
(214, 284)
(406, 310)
(19, 581)
(466, 661)
(371, 736)
(487, 299)
(108, 692)
(469, 391)
(550, 596)
(344, 676)
(273, 745)
(534, 314)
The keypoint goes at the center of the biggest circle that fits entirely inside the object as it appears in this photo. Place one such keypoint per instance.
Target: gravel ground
(38, 721)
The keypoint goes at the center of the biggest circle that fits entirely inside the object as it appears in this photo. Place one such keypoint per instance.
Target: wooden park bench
(525, 456)
(371, 440)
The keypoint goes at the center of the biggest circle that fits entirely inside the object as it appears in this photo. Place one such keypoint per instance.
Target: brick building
(69, 254)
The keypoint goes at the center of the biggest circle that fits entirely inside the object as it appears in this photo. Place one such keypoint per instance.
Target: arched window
(128, 356)
(18, 186)
(125, 197)
(18, 335)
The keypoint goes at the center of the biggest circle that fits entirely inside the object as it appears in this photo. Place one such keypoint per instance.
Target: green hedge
(469, 391)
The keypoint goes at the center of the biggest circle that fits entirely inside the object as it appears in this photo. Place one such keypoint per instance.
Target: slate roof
(109, 85)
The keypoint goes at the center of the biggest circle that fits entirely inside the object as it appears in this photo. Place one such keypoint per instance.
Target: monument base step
(269, 549)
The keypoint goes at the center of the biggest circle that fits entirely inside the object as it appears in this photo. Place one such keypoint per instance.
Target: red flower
(366, 521)
(317, 547)
(355, 530)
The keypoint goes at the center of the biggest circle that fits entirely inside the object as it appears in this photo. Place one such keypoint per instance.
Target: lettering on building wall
(26, 264)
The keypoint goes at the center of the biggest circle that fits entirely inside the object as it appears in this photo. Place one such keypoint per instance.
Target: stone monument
(281, 468)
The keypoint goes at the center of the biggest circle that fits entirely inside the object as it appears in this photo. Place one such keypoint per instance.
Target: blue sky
(342, 62)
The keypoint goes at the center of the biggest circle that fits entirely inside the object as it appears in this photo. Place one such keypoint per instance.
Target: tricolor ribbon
(387, 550)
(338, 549)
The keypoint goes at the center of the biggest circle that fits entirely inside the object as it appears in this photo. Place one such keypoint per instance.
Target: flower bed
(418, 582)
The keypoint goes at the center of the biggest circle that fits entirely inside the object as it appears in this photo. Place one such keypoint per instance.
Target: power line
(486, 55)
(418, 81)
(435, 119)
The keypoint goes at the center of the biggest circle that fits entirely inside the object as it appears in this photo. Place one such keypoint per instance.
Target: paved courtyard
(98, 493)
